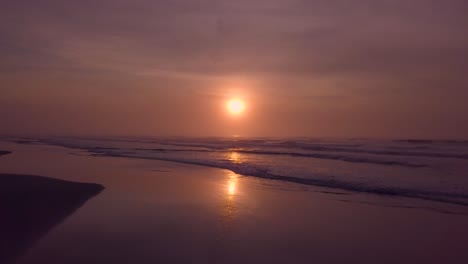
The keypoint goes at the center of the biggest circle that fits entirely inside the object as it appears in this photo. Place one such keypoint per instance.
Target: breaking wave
(429, 170)
(256, 171)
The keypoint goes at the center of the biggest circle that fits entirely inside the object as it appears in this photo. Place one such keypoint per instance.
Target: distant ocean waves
(346, 158)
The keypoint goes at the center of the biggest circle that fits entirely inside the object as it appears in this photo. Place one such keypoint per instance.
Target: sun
(236, 106)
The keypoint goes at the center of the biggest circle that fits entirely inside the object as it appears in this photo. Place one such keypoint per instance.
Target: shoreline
(434, 196)
(164, 212)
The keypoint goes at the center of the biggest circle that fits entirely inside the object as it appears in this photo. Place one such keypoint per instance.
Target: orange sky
(304, 68)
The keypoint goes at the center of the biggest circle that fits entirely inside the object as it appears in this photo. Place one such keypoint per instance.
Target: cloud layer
(308, 68)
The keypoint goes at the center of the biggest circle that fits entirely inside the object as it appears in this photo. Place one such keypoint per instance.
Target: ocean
(434, 170)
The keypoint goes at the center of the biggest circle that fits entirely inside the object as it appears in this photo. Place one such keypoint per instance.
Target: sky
(324, 68)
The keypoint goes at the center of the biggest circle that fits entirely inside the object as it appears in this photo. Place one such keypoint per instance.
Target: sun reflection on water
(232, 185)
(234, 157)
(229, 208)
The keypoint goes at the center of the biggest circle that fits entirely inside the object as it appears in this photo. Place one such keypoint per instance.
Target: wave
(392, 152)
(430, 141)
(297, 154)
(335, 157)
(416, 187)
(402, 148)
(416, 141)
(256, 171)
(322, 147)
(196, 147)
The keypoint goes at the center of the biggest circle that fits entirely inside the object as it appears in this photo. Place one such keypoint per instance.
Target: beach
(32, 205)
(155, 211)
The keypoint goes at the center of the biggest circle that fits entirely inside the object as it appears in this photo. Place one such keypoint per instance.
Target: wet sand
(32, 205)
(163, 212)
(3, 152)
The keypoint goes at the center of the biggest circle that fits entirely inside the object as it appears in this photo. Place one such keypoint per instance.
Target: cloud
(255, 37)
(331, 51)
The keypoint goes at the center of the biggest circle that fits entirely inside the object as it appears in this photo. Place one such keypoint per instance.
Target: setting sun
(235, 106)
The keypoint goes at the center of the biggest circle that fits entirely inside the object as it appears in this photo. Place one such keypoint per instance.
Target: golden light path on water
(234, 157)
(232, 186)
(231, 192)
(229, 207)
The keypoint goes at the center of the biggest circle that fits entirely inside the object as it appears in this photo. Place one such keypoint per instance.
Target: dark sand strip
(32, 205)
(3, 152)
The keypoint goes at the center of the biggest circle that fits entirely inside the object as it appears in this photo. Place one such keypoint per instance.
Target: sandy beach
(163, 212)
(32, 205)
